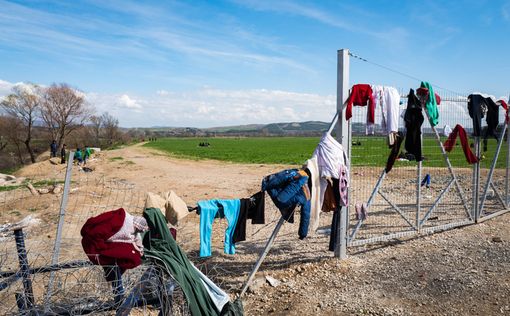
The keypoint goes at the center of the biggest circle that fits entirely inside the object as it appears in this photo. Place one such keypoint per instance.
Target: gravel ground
(464, 271)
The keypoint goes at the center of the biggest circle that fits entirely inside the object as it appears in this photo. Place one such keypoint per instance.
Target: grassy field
(373, 151)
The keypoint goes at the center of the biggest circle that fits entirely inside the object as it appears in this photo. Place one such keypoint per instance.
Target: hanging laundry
(162, 250)
(387, 99)
(252, 208)
(315, 191)
(343, 182)
(361, 211)
(288, 189)
(413, 119)
(330, 202)
(431, 103)
(479, 105)
(330, 156)
(395, 150)
(447, 130)
(110, 239)
(426, 181)
(208, 210)
(361, 95)
(504, 104)
(452, 139)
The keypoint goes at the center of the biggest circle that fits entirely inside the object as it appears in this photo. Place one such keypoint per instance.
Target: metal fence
(441, 192)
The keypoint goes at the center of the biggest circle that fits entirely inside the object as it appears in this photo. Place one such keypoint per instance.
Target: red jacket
(361, 94)
(96, 232)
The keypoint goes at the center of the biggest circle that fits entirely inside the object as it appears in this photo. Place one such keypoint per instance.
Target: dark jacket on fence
(413, 119)
(287, 189)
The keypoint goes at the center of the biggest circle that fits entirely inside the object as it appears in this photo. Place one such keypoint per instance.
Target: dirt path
(460, 272)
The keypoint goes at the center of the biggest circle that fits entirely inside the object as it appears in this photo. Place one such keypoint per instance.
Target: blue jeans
(285, 189)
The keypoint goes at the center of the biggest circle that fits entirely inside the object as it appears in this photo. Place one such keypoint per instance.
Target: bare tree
(63, 111)
(110, 127)
(12, 132)
(23, 104)
(96, 123)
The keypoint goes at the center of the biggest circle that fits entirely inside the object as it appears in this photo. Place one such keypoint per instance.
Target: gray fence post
(343, 137)
(507, 202)
(56, 247)
(476, 180)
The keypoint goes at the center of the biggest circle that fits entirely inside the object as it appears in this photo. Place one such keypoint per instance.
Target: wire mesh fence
(413, 198)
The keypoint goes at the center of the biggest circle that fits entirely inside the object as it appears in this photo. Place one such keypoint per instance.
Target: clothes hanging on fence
(387, 99)
(252, 208)
(504, 104)
(330, 203)
(288, 189)
(431, 103)
(452, 139)
(331, 157)
(217, 295)
(315, 191)
(361, 95)
(413, 119)
(335, 221)
(395, 150)
(162, 250)
(96, 233)
(208, 210)
(479, 105)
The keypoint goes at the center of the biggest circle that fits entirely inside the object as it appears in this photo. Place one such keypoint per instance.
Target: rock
(32, 189)
(497, 239)
(57, 189)
(55, 161)
(43, 191)
(272, 281)
(256, 285)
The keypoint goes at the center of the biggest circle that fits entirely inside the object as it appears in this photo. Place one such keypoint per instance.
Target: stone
(272, 281)
(497, 239)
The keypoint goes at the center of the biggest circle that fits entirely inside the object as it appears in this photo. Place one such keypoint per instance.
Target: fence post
(56, 247)
(507, 164)
(343, 137)
(476, 179)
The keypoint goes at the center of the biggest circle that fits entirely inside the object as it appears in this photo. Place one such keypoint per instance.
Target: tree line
(32, 116)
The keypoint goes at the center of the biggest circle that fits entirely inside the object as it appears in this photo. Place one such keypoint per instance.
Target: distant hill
(309, 128)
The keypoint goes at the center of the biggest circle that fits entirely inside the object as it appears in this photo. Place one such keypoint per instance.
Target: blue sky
(212, 63)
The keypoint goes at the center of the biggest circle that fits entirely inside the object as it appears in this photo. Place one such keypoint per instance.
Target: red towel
(452, 139)
(361, 94)
(96, 232)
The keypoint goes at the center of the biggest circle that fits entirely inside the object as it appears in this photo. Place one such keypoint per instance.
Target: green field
(296, 150)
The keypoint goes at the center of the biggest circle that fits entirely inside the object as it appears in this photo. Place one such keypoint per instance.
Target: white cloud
(127, 102)
(162, 92)
(505, 11)
(209, 107)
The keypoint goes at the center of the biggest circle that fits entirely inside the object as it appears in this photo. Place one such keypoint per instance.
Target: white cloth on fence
(217, 295)
(330, 156)
(447, 130)
(315, 202)
(387, 99)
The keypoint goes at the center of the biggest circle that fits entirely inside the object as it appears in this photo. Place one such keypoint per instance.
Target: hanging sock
(395, 149)
(426, 181)
(452, 139)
